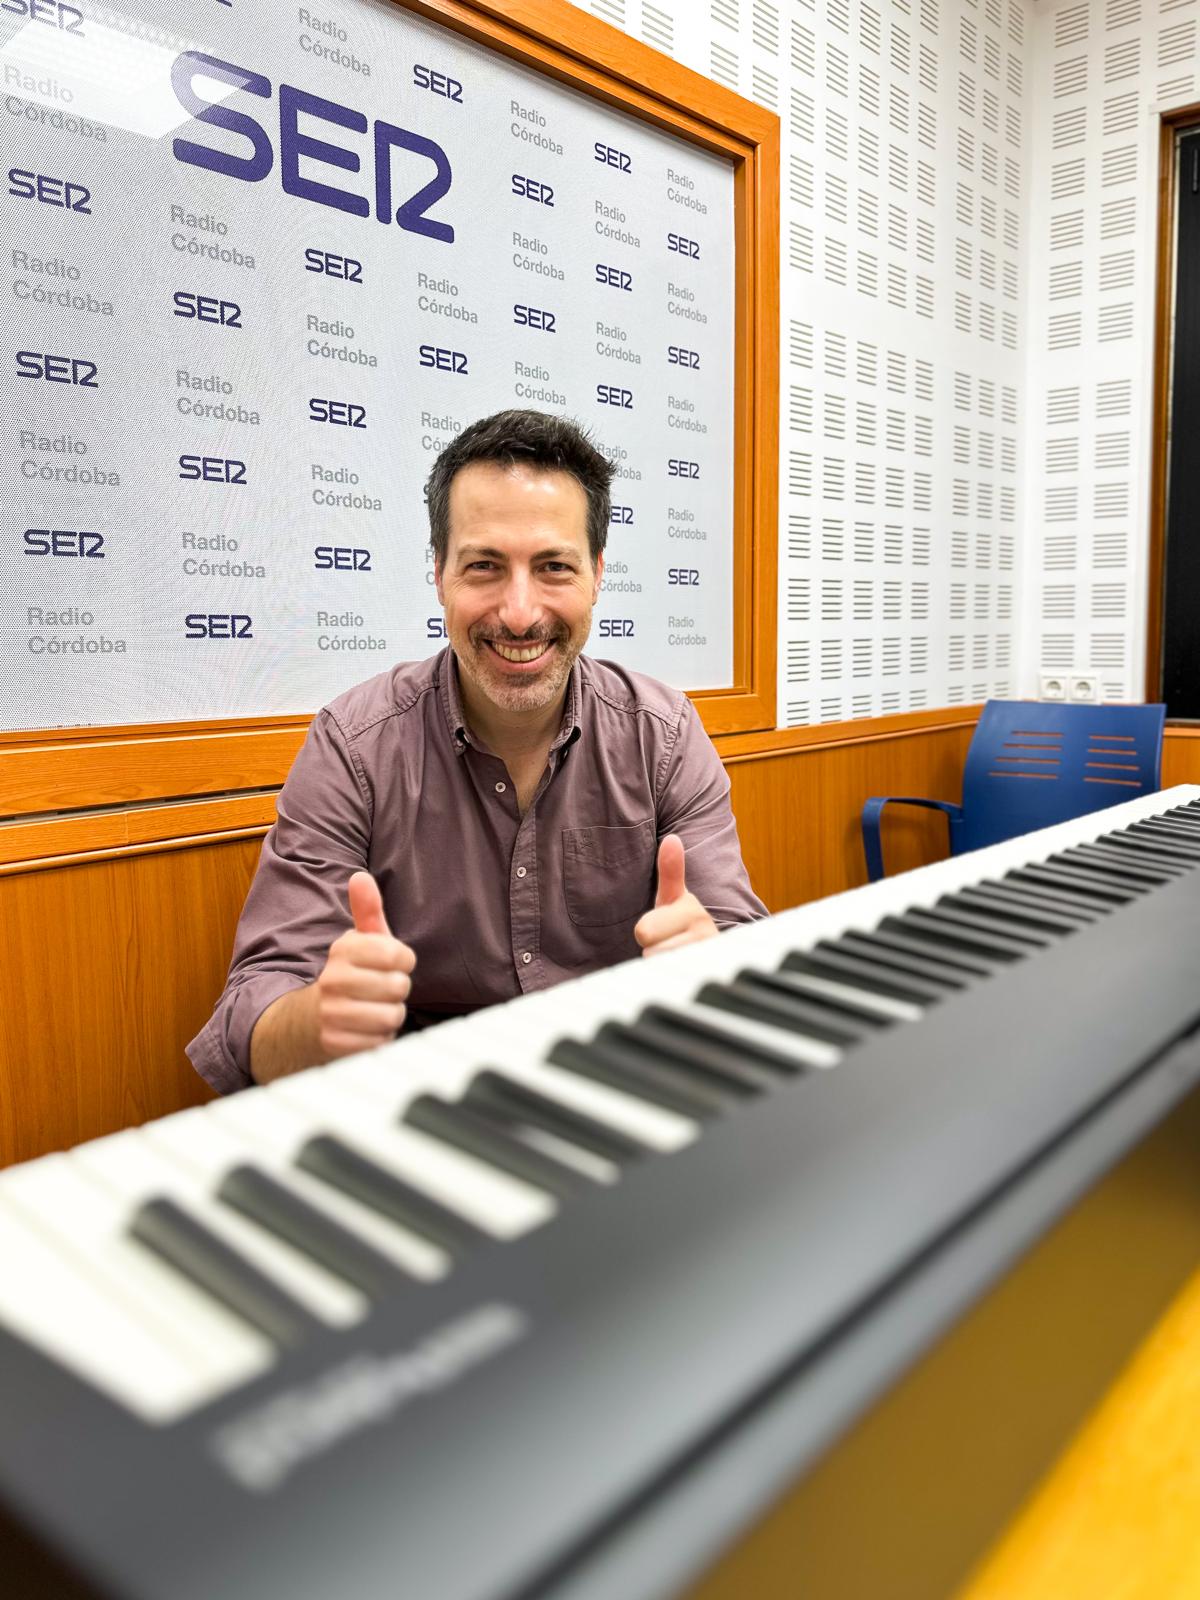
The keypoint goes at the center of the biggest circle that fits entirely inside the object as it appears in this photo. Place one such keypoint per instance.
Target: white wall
(906, 135)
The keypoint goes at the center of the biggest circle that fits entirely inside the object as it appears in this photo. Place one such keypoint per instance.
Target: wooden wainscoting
(117, 924)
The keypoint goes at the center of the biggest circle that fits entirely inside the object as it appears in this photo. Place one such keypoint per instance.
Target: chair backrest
(1032, 763)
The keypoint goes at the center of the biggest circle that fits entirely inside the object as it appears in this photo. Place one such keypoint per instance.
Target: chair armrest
(872, 812)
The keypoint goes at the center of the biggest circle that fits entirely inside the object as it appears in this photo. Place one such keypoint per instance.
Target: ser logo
(50, 191)
(616, 627)
(608, 157)
(206, 308)
(218, 625)
(64, 542)
(614, 277)
(682, 469)
(686, 577)
(295, 146)
(434, 355)
(621, 514)
(531, 189)
(341, 558)
(683, 246)
(535, 317)
(53, 13)
(341, 413)
(57, 369)
(437, 83)
(333, 266)
(435, 628)
(212, 469)
(679, 356)
(607, 394)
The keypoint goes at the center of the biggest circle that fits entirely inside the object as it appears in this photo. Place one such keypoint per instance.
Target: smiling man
(504, 816)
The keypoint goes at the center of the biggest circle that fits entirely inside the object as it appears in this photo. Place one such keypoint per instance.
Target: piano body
(560, 1300)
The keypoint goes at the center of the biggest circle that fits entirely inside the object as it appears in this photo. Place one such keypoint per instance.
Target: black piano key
(605, 1062)
(941, 932)
(326, 1157)
(841, 967)
(1023, 878)
(504, 1097)
(863, 1017)
(977, 920)
(1013, 910)
(713, 1061)
(275, 1207)
(779, 1010)
(1124, 865)
(911, 956)
(1160, 855)
(687, 1031)
(1185, 840)
(469, 1128)
(175, 1236)
(1070, 907)
(1083, 884)
(1096, 874)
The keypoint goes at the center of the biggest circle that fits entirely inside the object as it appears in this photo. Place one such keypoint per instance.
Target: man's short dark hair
(531, 438)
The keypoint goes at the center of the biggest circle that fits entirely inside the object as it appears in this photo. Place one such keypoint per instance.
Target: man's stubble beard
(516, 696)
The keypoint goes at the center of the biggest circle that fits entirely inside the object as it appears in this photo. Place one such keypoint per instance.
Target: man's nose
(520, 608)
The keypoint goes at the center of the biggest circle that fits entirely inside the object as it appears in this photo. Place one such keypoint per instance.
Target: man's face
(517, 584)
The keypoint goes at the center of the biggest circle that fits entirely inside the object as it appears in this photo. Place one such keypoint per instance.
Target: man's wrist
(286, 1039)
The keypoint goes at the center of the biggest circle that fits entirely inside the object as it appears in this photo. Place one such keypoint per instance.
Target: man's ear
(599, 577)
(438, 574)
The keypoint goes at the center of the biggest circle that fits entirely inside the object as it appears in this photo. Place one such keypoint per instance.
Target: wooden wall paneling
(1180, 756)
(798, 808)
(106, 970)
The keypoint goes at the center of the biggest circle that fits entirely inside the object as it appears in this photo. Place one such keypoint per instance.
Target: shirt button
(521, 871)
(526, 957)
(501, 787)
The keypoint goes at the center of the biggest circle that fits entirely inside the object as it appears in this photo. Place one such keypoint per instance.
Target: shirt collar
(460, 735)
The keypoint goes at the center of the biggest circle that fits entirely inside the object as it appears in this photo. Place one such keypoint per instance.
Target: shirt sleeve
(297, 905)
(693, 801)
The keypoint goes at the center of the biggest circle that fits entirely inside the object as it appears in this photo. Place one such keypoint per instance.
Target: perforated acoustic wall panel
(904, 207)
(1105, 70)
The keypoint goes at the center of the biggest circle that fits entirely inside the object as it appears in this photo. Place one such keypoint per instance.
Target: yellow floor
(1118, 1517)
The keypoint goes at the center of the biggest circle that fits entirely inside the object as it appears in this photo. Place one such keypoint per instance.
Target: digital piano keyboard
(482, 1315)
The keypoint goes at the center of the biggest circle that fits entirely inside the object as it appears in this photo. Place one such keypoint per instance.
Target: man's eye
(558, 566)
(481, 566)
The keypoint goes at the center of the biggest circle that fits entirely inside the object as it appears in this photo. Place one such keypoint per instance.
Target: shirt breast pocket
(608, 873)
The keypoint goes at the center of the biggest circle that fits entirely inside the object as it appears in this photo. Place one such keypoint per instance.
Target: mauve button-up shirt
(494, 903)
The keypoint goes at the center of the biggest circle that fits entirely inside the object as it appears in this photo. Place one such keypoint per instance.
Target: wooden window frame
(75, 769)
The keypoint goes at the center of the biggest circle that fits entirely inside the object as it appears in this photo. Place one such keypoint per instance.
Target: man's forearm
(285, 1038)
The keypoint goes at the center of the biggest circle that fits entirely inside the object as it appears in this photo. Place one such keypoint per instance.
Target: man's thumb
(671, 886)
(366, 904)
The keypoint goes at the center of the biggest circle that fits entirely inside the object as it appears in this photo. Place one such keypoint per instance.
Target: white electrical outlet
(1053, 686)
(1082, 686)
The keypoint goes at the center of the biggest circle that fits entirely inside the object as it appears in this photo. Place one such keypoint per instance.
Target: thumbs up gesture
(362, 989)
(678, 917)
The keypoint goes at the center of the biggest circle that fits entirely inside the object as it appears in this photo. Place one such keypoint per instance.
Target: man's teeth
(527, 652)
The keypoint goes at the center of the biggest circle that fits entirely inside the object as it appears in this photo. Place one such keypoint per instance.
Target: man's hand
(678, 917)
(364, 983)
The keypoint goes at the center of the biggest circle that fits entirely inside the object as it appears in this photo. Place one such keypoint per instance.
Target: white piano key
(882, 1005)
(500, 1204)
(87, 1221)
(453, 1062)
(49, 1299)
(267, 1135)
(137, 1170)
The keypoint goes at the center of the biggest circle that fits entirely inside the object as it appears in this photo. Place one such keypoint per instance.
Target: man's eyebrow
(472, 552)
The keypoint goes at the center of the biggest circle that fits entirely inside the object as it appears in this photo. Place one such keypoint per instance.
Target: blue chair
(1032, 763)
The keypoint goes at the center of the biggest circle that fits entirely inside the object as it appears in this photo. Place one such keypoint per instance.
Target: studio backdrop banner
(257, 276)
